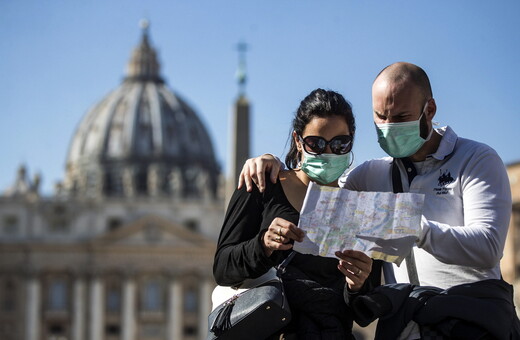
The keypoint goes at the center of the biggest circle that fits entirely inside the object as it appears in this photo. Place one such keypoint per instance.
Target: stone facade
(510, 264)
(124, 249)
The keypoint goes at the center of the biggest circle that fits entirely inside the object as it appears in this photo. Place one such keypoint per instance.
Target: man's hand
(254, 171)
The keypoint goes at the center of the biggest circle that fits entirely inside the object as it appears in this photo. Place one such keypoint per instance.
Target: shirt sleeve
(240, 254)
(487, 203)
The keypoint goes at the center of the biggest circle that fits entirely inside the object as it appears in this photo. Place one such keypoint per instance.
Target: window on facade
(112, 330)
(113, 183)
(58, 295)
(113, 299)
(56, 329)
(192, 224)
(190, 330)
(108, 184)
(142, 181)
(152, 296)
(190, 300)
(114, 223)
(10, 224)
(59, 221)
(8, 296)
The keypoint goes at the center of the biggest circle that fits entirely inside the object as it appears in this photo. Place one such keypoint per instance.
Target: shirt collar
(447, 144)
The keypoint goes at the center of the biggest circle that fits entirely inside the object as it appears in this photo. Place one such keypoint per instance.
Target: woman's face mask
(401, 139)
(326, 167)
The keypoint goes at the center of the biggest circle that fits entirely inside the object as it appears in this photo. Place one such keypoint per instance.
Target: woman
(260, 228)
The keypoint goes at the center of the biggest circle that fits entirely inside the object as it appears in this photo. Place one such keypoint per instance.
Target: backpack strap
(398, 187)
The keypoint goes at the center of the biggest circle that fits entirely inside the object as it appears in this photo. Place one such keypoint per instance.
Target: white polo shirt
(466, 213)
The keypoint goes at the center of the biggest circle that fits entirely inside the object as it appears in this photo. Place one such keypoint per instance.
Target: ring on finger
(358, 272)
(278, 238)
(280, 231)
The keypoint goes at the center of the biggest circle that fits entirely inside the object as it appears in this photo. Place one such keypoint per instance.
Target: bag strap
(398, 187)
(280, 269)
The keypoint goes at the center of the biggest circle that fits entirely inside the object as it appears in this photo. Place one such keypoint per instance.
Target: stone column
(96, 308)
(129, 319)
(78, 316)
(205, 290)
(32, 316)
(175, 322)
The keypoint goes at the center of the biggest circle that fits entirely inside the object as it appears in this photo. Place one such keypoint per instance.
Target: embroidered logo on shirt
(445, 178)
(443, 181)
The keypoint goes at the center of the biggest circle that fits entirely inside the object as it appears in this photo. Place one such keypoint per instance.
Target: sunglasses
(316, 145)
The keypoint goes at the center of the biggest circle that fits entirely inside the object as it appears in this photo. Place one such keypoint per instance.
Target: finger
(240, 180)
(356, 274)
(277, 242)
(260, 175)
(354, 282)
(295, 233)
(251, 175)
(244, 175)
(357, 257)
(275, 169)
(282, 227)
(349, 266)
(354, 265)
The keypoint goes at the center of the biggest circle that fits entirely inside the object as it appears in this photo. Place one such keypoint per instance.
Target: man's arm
(487, 210)
(254, 170)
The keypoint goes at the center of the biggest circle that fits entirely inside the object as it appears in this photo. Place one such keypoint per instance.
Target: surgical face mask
(326, 167)
(401, 139)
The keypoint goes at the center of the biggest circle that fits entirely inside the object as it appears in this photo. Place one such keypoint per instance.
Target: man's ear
(431, 109)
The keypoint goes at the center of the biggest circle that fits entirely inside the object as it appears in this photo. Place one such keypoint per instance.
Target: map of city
(383, 225)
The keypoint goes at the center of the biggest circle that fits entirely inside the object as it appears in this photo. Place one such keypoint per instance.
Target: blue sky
(58, 58)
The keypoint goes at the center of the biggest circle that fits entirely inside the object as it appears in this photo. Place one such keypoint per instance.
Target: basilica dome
(142, 139)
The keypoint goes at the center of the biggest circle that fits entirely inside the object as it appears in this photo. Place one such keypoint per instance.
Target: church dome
(142, 139)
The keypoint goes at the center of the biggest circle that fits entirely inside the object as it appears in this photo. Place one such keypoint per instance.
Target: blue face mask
(401, 139)
(326, 167)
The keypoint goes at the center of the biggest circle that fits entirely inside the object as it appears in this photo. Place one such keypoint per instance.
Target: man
(467, 203)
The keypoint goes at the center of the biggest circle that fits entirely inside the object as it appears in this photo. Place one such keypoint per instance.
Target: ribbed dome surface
(142, 139)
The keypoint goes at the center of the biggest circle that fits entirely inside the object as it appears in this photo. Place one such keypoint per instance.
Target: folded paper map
(383, 225)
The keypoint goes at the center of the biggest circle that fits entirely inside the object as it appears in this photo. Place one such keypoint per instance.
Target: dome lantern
(143, 64)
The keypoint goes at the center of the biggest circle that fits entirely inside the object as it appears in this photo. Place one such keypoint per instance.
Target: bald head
(406, 74)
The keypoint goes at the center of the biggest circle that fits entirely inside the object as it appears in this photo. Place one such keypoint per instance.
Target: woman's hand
(254, 170)
(279, 235)
(356, 266)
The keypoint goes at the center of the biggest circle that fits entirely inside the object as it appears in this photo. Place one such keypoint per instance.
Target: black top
(240, 254)
(314, 286)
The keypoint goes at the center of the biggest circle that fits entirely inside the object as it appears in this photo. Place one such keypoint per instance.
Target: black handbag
(255, 313)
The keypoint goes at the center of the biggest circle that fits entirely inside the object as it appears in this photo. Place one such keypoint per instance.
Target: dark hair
(319, 103)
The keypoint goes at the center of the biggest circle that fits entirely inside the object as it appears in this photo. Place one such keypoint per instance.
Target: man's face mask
(401, 139)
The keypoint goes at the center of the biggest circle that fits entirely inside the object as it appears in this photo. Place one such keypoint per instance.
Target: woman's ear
(297, 141)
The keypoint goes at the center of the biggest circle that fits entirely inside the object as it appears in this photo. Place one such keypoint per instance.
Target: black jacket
(479, 310)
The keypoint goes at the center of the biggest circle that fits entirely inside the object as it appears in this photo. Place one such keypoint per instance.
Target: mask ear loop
(299, 164)
(351, 159)
(299, 152)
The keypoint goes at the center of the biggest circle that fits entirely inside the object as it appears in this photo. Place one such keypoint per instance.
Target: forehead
(395, 97)
(326, 127)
